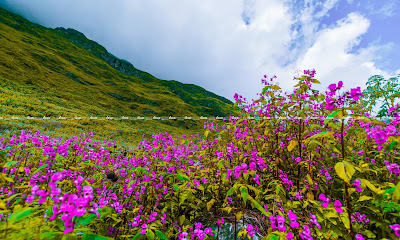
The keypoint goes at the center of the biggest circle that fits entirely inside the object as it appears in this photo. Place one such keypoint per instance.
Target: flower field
(305, 165)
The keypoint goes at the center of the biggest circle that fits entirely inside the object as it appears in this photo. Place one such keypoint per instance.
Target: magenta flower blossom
(256, 179)
(359, 237)
(332, 87)
(330, 104)
(54, 178)
(338, 205)
(357, 184)
(252, 166)
(273, 222)
(80, 204)
(208, 231)
(220, 222)
(95, 209)
(396, 229)
(380, 137)
(325, 200)
(390, 130)
(355, 93)
(306, 233)
(281, 223)
(237, 171)
(314, 221)
(229, 173)
(289, 236)
(340, 85)
(43, 196)
(293, 219)
(88, 192)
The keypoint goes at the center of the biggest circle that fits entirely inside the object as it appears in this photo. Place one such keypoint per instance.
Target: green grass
(59, 72)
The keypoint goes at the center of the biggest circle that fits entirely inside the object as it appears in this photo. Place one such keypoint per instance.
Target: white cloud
(329, 54)
(207, 43)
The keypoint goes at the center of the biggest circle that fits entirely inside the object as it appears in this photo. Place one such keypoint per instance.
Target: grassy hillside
(59, 72)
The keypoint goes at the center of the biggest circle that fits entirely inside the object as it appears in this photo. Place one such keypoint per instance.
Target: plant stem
(345, 184)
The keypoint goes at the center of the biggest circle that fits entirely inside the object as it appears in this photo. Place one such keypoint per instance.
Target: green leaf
(92, 236)
(137, 236)
(50, 235)
(390, 190)
(244, 193)
(332, 116)
(161, 235)
(232, 190)
(86, 220)
(210, 203)
(364, 198)
(396, 193)
(40, 168)
(345, 171)
(182, 219)
(321, 134)
(10, 163)
(368, 234)
(19, 215)
(391, 145)
(150, 234)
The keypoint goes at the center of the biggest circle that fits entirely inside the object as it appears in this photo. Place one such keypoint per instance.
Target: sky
(227, 46)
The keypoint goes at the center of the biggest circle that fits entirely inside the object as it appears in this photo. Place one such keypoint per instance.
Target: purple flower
(332, 87)
(357, 184)
(330, 104)
(306, 233)
(253, 166)
(289, 236)
(396, 229)
(338, 206)
(256, 179)
(43, 196)
(359, 237)
(293, 219)
(273, 222)
(80, 204)
(315, 221)
(325, 200)
(95, 209)
(380, 137)
(281, 223)
(356, 93)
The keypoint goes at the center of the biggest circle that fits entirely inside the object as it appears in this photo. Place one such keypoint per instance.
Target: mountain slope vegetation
(48, 72)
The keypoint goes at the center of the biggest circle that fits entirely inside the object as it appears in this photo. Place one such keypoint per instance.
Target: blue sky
(226, 46)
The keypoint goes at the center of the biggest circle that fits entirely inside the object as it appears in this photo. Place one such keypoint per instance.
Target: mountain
(48, 72)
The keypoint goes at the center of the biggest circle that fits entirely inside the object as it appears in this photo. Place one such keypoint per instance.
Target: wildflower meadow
(299, 165)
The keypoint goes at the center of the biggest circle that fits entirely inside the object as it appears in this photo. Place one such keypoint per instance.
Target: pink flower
(325, 200)
(253, 166)
(357, 184)
(332, 87)
(330, 104)
(359, 237)
(95, 209)
(281, 223)
(380, 137)
(293, 219)
(355, 93)
(396, 229)
(338, 206)
(390, 130)
(256, 179)
(289, 236)
(80, 204)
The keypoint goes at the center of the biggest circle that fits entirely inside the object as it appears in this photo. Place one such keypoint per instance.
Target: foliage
(290, 167)
(379, 88)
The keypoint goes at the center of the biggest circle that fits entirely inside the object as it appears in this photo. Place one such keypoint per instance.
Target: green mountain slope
(59, 72)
